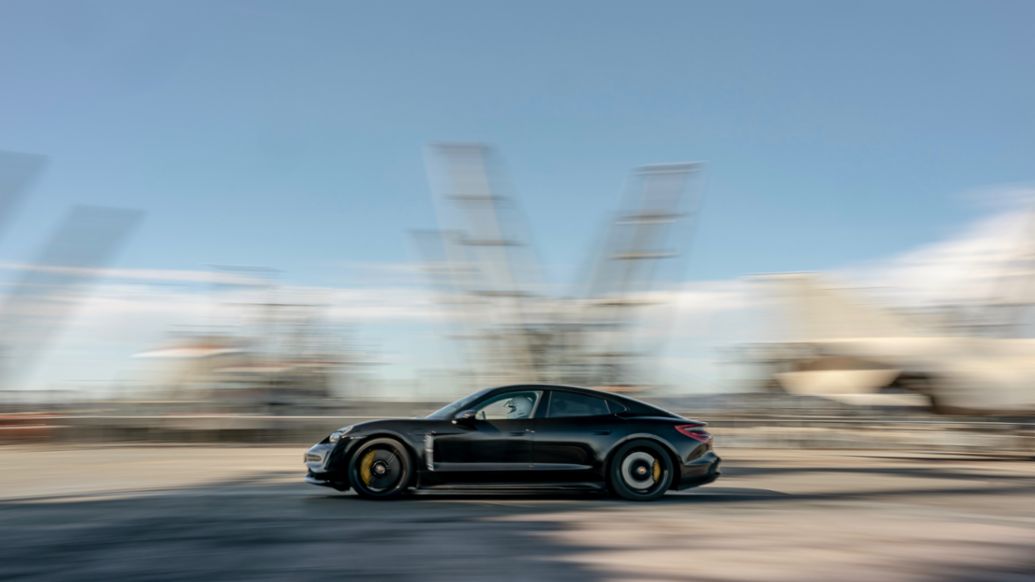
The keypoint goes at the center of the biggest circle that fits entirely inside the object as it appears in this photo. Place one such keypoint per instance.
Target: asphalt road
(206, 513)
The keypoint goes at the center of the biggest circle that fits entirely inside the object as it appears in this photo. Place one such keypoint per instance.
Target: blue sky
(290, 135)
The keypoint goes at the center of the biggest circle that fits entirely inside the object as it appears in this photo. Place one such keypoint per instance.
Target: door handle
(521, 432)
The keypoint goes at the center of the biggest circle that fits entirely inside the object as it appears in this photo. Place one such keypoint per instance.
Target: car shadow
(703, 495)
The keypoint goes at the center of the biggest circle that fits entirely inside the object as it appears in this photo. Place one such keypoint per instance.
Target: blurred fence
(936, 435)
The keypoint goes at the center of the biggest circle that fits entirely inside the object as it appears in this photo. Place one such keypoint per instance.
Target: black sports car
(524, 436)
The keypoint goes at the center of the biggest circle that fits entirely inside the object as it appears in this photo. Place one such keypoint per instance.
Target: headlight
(336, 435)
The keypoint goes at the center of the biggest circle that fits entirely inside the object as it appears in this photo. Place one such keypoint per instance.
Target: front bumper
(321, 464)
(325, 480)
(699, 471)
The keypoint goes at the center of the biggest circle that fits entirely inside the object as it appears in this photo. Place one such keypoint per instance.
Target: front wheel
(380, 469)
(640, 471)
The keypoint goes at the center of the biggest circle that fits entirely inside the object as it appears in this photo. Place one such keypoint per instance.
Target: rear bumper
(699, 471)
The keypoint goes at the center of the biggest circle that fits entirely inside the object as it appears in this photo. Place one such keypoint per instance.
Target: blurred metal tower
(52, 286)
(627, 269)
(488, 264)
(488, 279)
(55, 283)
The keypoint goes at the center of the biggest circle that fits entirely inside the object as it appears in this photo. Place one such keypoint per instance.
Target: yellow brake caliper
(656, 471)
(364, 467)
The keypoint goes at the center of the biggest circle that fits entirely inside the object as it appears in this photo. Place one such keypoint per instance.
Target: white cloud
(150, 275)
(970, 267)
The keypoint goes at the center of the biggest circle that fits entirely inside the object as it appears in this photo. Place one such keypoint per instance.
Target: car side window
(568, 404)
(509, 406)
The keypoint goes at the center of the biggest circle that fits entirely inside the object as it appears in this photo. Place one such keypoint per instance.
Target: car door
(497, 440)
(571, 436)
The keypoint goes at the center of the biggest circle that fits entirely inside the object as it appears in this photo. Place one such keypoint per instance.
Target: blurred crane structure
(257, 353)
(485, 271)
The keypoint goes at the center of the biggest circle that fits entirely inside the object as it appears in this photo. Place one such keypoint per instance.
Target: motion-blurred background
(810, 223)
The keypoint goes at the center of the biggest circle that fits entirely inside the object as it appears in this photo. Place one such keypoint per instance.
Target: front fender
(353, 440)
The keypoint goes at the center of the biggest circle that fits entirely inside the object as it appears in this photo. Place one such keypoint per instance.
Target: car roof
(627, 401)
(543, 386)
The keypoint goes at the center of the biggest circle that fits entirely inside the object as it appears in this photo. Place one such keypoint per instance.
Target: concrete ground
(242, 513)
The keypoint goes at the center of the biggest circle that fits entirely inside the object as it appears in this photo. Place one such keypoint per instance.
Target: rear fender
(672, 454)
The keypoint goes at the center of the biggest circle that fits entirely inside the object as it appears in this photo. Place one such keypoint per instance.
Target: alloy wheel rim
(380, 470)
(641, 471)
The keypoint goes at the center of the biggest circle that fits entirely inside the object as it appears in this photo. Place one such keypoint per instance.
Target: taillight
(694, 431)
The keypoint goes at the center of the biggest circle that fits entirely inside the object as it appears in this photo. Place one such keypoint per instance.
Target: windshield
(449, 411)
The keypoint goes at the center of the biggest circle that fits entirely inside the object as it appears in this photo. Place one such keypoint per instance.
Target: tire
(640, 471)
(381, 468)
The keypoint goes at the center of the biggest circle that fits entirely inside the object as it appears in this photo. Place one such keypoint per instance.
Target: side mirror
(465, 417)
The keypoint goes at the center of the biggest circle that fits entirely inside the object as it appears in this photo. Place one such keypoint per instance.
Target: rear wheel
(380, 469)
(640, 471)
